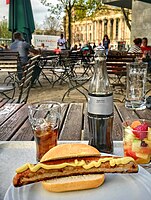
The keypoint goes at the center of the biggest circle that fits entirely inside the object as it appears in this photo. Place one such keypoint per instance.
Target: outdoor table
(14, 123)
(14, 154)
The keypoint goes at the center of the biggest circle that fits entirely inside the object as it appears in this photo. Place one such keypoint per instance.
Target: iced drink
(45, 138)
(45, 120)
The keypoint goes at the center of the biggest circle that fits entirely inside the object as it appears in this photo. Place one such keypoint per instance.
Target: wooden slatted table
(14, 123)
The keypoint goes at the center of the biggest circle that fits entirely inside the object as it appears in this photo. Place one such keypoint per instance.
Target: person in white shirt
(61, 42)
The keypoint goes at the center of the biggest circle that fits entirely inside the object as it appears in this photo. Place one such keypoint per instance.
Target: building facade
(109, 21)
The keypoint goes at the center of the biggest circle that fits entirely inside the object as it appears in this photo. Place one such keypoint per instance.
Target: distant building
(141, 15)
(109, 21)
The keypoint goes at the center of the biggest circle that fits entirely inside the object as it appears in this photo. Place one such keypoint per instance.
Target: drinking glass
(135, 90)
(137, 140)
(44, 118)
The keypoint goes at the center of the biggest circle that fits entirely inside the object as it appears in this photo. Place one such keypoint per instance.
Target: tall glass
(135, 90)
(44, 118)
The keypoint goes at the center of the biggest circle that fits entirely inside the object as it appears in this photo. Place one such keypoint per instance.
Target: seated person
(136, 48)
(90, 48)
(79, 47)
(43, 46)
(23, 48)
(74, 48)
(2, 47)
(57, 50)
(100, 46)
(144, 46)
(146, 53)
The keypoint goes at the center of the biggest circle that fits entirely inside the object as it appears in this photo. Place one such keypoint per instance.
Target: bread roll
(70, 151)
(72, 183)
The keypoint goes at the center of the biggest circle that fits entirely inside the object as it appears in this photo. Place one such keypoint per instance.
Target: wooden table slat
(125, 113)
(72, 127)
(3, 102)
(64, 108)
(9, 128)
(25, 133)
(117, 132)
(86, 127)
(7, 111)
(144, 114)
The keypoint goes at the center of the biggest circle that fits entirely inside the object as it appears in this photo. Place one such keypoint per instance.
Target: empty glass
(135, 90)
(45, 118)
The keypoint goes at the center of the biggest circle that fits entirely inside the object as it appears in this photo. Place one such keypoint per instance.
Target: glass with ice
(44, 118)
(137, 140)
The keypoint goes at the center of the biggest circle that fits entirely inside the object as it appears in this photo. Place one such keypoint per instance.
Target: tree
(4, 33)
(126, 17)
(52, 25)
(78, 9)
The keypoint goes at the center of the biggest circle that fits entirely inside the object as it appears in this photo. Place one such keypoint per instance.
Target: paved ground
(47, 92)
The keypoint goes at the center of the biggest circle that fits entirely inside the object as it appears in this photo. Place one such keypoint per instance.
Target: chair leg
(77, 88)
(46, 77)
(13, 94)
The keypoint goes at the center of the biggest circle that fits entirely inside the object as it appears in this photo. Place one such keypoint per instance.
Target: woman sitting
(136, 48)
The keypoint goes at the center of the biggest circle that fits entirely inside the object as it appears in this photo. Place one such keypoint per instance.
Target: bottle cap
(100, 52)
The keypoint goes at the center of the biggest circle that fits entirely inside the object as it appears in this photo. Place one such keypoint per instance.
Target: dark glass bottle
(100, 106)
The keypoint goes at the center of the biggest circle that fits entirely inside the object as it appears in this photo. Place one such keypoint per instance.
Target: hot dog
(73, 160)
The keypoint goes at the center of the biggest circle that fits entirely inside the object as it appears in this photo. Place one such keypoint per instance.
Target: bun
(69, 151)
(72, 183)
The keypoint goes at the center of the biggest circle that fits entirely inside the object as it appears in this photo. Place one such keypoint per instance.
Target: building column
(105, 22)
(97, 31)
(114, 29)
(86, 30)
(99, 38)
(108, 27)
(111, 22)
(103, 28)
(120, 29)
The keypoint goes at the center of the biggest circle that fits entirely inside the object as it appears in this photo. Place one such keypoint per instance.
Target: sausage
(27, 176)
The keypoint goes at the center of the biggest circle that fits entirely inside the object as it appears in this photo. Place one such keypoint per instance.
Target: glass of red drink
(137, 140)
(45, 119)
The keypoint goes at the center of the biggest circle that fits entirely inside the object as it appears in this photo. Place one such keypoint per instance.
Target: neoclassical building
(109, 21)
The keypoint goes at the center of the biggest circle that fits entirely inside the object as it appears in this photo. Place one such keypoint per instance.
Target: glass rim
(36, 105)
(44, 102)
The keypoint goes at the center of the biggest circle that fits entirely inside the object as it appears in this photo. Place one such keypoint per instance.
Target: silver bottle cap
(100, 52)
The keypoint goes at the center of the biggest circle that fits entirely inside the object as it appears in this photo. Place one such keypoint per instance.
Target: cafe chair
(24, 84)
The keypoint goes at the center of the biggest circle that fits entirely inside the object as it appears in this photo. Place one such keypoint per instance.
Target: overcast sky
(39, 10)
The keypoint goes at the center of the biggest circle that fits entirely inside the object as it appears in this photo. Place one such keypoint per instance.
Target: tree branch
(126, 19)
